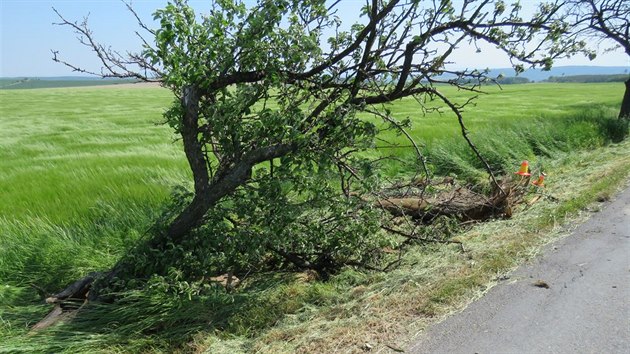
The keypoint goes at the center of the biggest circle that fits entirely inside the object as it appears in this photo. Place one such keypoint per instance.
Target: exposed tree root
(67, 302)
(77, 290)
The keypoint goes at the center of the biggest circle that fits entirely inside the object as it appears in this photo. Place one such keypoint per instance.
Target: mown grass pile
(84, 173)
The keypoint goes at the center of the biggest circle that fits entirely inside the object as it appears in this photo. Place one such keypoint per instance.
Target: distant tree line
(589, 78)
(512, 80)
(509, 80)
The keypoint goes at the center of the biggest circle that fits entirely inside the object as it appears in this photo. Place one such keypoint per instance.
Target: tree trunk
(208, 192)
(226, 180)
(624, 113)
(193, 148)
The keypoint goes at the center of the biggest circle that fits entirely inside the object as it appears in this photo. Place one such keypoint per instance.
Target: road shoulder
(574, 297)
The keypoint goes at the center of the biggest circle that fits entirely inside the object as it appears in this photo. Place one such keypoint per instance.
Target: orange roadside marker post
(540, 182)
(524, 170)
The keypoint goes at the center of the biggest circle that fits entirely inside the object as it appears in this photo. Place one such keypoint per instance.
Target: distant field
(63, 150)
(83, 171)
(511, 106)
(37, 83)
(95, 143)
(509, 124)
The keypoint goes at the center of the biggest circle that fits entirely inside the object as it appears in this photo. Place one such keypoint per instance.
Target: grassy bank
(388, 310)
(83, 172)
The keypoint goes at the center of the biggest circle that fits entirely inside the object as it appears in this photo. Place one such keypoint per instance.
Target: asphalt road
(585, 309)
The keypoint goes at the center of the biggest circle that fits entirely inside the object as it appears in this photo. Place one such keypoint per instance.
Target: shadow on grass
(611, 128)
(167, 319)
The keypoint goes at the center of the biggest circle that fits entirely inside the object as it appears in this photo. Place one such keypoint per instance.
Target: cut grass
(84, 172)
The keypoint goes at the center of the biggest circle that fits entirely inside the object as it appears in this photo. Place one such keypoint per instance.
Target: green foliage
(256, 85)
(290, 214)
(285, 217)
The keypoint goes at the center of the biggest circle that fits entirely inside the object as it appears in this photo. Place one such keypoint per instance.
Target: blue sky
(27, 35)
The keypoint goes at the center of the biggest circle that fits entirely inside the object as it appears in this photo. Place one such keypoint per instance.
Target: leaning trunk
(208, 192)
(624, 113)
(193, 148)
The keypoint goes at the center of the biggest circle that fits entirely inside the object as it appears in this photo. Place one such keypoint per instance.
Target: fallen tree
(410, 206)
(269, 121)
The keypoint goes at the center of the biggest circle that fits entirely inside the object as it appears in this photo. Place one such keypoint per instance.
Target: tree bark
(223, 184)
(624, 113)
(193, 148)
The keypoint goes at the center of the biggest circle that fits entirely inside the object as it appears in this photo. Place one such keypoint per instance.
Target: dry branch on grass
(459, 202)
(67, 302)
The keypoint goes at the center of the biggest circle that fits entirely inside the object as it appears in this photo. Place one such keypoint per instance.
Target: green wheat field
(84, 172)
